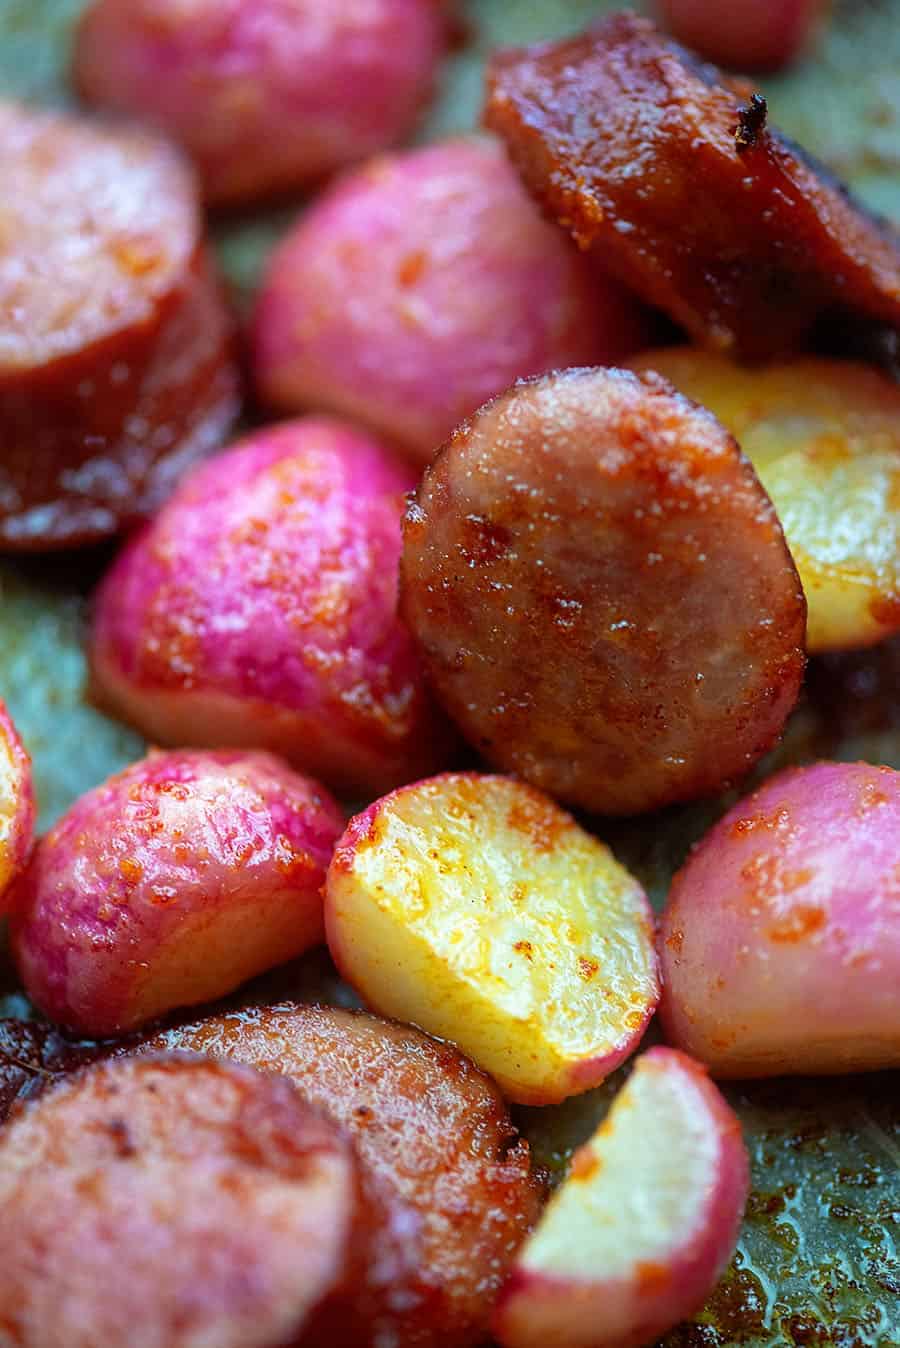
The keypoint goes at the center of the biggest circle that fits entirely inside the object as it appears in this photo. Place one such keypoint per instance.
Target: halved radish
(780, 940)
(639, 1233)
(475, 907)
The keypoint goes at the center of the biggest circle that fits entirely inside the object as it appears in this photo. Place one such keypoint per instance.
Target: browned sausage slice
(436, 1141)
(603, 593)
(169, 1203)
(115, 366)
(667, 172)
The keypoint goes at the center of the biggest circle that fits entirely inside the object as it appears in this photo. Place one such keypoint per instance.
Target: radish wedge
(637, 1236)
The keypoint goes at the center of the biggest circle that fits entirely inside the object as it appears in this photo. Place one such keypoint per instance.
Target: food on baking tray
(115, 363)
(259, 608)
(422, 285)
(641, 1230)
(265, 95)
(16, 804)
(824, 437)
(605, 583)
(475, 907)
(780, 942)
(450, 1180)
(670, 174)
(602, 592)
(171, 884)
(167, 1203)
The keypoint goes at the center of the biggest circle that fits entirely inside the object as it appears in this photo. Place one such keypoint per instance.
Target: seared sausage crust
(115, 348)
(603, 593)
(443, 1161)
(711, 215)
(173, 1203)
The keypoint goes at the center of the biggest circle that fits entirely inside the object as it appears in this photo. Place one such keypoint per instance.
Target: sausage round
(169, 1203)
(602, 592)
(668, 173)
(435, 1139)
(115, 365)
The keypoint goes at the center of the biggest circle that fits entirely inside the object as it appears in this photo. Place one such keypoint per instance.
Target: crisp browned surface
(603, 593)
(21, 1059)
(630, 143)
(32, 1056)
(115, 368)
(449, 1176)
(173, 1203)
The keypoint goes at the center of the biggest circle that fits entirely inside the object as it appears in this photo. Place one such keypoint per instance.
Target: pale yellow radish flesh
(17, 805)
(642, 1228)
(473, 906)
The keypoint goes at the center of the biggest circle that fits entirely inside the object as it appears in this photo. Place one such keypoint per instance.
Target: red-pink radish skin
(422, 285)
(267, 96)
(171, 884)
(614, 1264)
(259, 608)
(780, 941)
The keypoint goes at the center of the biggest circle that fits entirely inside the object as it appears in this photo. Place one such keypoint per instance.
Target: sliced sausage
(173, 1203)
(669, 174)
(603, 593)
(115, 366)
(434, 1136)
